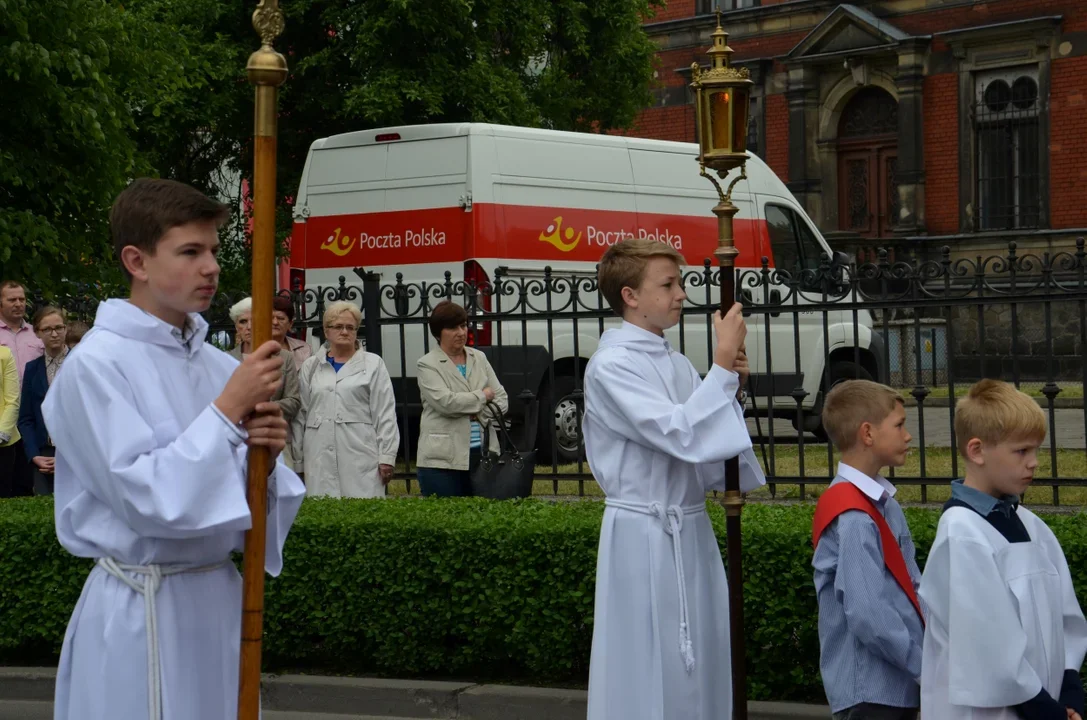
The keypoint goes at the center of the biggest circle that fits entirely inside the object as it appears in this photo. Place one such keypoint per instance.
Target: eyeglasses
(341, 328)
(53, 330)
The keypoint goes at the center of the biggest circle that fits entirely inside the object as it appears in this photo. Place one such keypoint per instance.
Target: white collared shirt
(877, 488)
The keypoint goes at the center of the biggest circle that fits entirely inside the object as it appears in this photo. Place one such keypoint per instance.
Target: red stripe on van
(297, 245)
(509, 232)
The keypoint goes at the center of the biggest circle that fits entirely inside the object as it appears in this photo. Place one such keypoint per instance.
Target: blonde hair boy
(851, 404)
(866, 574)
(624, 264)
(1006, 636)
(994, 412)
(657, 436)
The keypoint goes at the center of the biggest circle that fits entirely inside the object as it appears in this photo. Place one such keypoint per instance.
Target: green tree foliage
(97, 93)
(69, 73)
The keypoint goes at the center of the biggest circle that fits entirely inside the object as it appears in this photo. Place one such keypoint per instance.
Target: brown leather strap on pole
(726, 258)
(267, 70)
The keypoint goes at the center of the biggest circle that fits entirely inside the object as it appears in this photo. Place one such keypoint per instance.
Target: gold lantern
(722, 103)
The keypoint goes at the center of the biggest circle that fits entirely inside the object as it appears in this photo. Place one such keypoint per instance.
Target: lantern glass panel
(739, 125)
(702, 123)
(720, 109)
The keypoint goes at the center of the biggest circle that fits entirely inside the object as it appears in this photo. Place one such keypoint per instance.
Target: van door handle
(775, 299)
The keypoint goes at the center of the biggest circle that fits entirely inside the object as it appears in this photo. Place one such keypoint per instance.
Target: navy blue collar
(983, 503)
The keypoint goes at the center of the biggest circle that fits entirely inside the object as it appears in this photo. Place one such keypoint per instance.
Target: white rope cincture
(149, 588)
(672, 520)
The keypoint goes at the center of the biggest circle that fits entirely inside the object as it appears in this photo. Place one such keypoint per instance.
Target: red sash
(847, 496)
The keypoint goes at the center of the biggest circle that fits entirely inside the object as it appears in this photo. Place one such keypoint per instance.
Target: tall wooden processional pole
(267, 70)
(722, 100)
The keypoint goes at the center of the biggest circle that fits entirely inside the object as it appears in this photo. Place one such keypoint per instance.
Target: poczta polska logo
(554, 234)
(565, 240)
(339, 245)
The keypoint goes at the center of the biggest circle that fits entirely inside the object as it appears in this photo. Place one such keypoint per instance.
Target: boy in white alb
(1005, 637)
(151, 426)
(657, 437)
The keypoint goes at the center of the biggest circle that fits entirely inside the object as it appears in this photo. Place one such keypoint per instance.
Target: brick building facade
(903, 121)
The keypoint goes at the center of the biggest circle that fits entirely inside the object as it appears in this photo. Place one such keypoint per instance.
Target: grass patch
(939, 462)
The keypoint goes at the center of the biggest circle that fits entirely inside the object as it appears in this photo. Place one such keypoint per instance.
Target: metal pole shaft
(726, 258)
(267, 70)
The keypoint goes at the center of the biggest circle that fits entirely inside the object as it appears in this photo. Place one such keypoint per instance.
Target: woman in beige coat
(346, 428)
(455, 383)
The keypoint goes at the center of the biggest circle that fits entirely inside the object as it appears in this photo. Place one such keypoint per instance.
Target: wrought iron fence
(929, 328)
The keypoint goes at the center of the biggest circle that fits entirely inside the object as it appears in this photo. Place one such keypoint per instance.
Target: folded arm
(435, 392)
(188, 487)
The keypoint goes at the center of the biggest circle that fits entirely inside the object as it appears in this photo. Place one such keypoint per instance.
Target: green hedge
(459, 589)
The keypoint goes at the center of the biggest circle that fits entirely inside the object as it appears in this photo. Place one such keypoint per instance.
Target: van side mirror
(837, 280)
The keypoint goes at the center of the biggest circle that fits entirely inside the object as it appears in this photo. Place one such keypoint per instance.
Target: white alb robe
(657, 437)
(1003, 620)
(149, 473)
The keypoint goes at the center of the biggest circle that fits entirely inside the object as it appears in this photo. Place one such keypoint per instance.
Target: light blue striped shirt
(869, 633)
(477, 430)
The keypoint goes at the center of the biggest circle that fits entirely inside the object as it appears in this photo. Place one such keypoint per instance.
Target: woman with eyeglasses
(51, 326)
(346, 428)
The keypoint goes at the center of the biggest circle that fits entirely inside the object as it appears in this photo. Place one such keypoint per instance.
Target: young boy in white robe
(151, 426)
(657, 437)
(1005, 636)
(870, 620)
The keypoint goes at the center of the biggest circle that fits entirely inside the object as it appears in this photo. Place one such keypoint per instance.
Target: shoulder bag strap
(499, 419)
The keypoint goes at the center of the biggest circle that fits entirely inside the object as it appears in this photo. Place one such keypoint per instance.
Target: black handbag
(506, 474)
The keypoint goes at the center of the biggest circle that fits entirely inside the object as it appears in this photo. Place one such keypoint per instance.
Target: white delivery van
(483, 202)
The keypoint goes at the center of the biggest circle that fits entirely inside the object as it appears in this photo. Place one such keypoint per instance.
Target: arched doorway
(868, 163)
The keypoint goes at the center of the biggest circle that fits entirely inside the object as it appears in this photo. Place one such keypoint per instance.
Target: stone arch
(830, 111)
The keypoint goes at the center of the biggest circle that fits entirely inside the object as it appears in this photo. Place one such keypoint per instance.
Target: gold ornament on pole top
(267, 70)
(266, 66)
(722, 102)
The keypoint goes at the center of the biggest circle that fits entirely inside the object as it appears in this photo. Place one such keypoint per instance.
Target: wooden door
(887, 162)
(868, 163)
(855, 185)
(867, 189)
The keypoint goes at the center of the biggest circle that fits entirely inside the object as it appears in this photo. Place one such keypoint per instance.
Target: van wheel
(560, 410)
(839, 372)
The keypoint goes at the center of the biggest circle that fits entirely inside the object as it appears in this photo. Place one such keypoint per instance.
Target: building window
(705, 7)
(1005, 113)
(753, 128)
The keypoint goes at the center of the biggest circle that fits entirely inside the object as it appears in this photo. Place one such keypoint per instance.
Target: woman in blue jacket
(51, 326)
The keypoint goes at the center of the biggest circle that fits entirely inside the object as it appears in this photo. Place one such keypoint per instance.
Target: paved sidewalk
(27, 694)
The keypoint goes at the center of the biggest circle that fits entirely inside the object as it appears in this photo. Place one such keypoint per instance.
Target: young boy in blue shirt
(870, 621)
